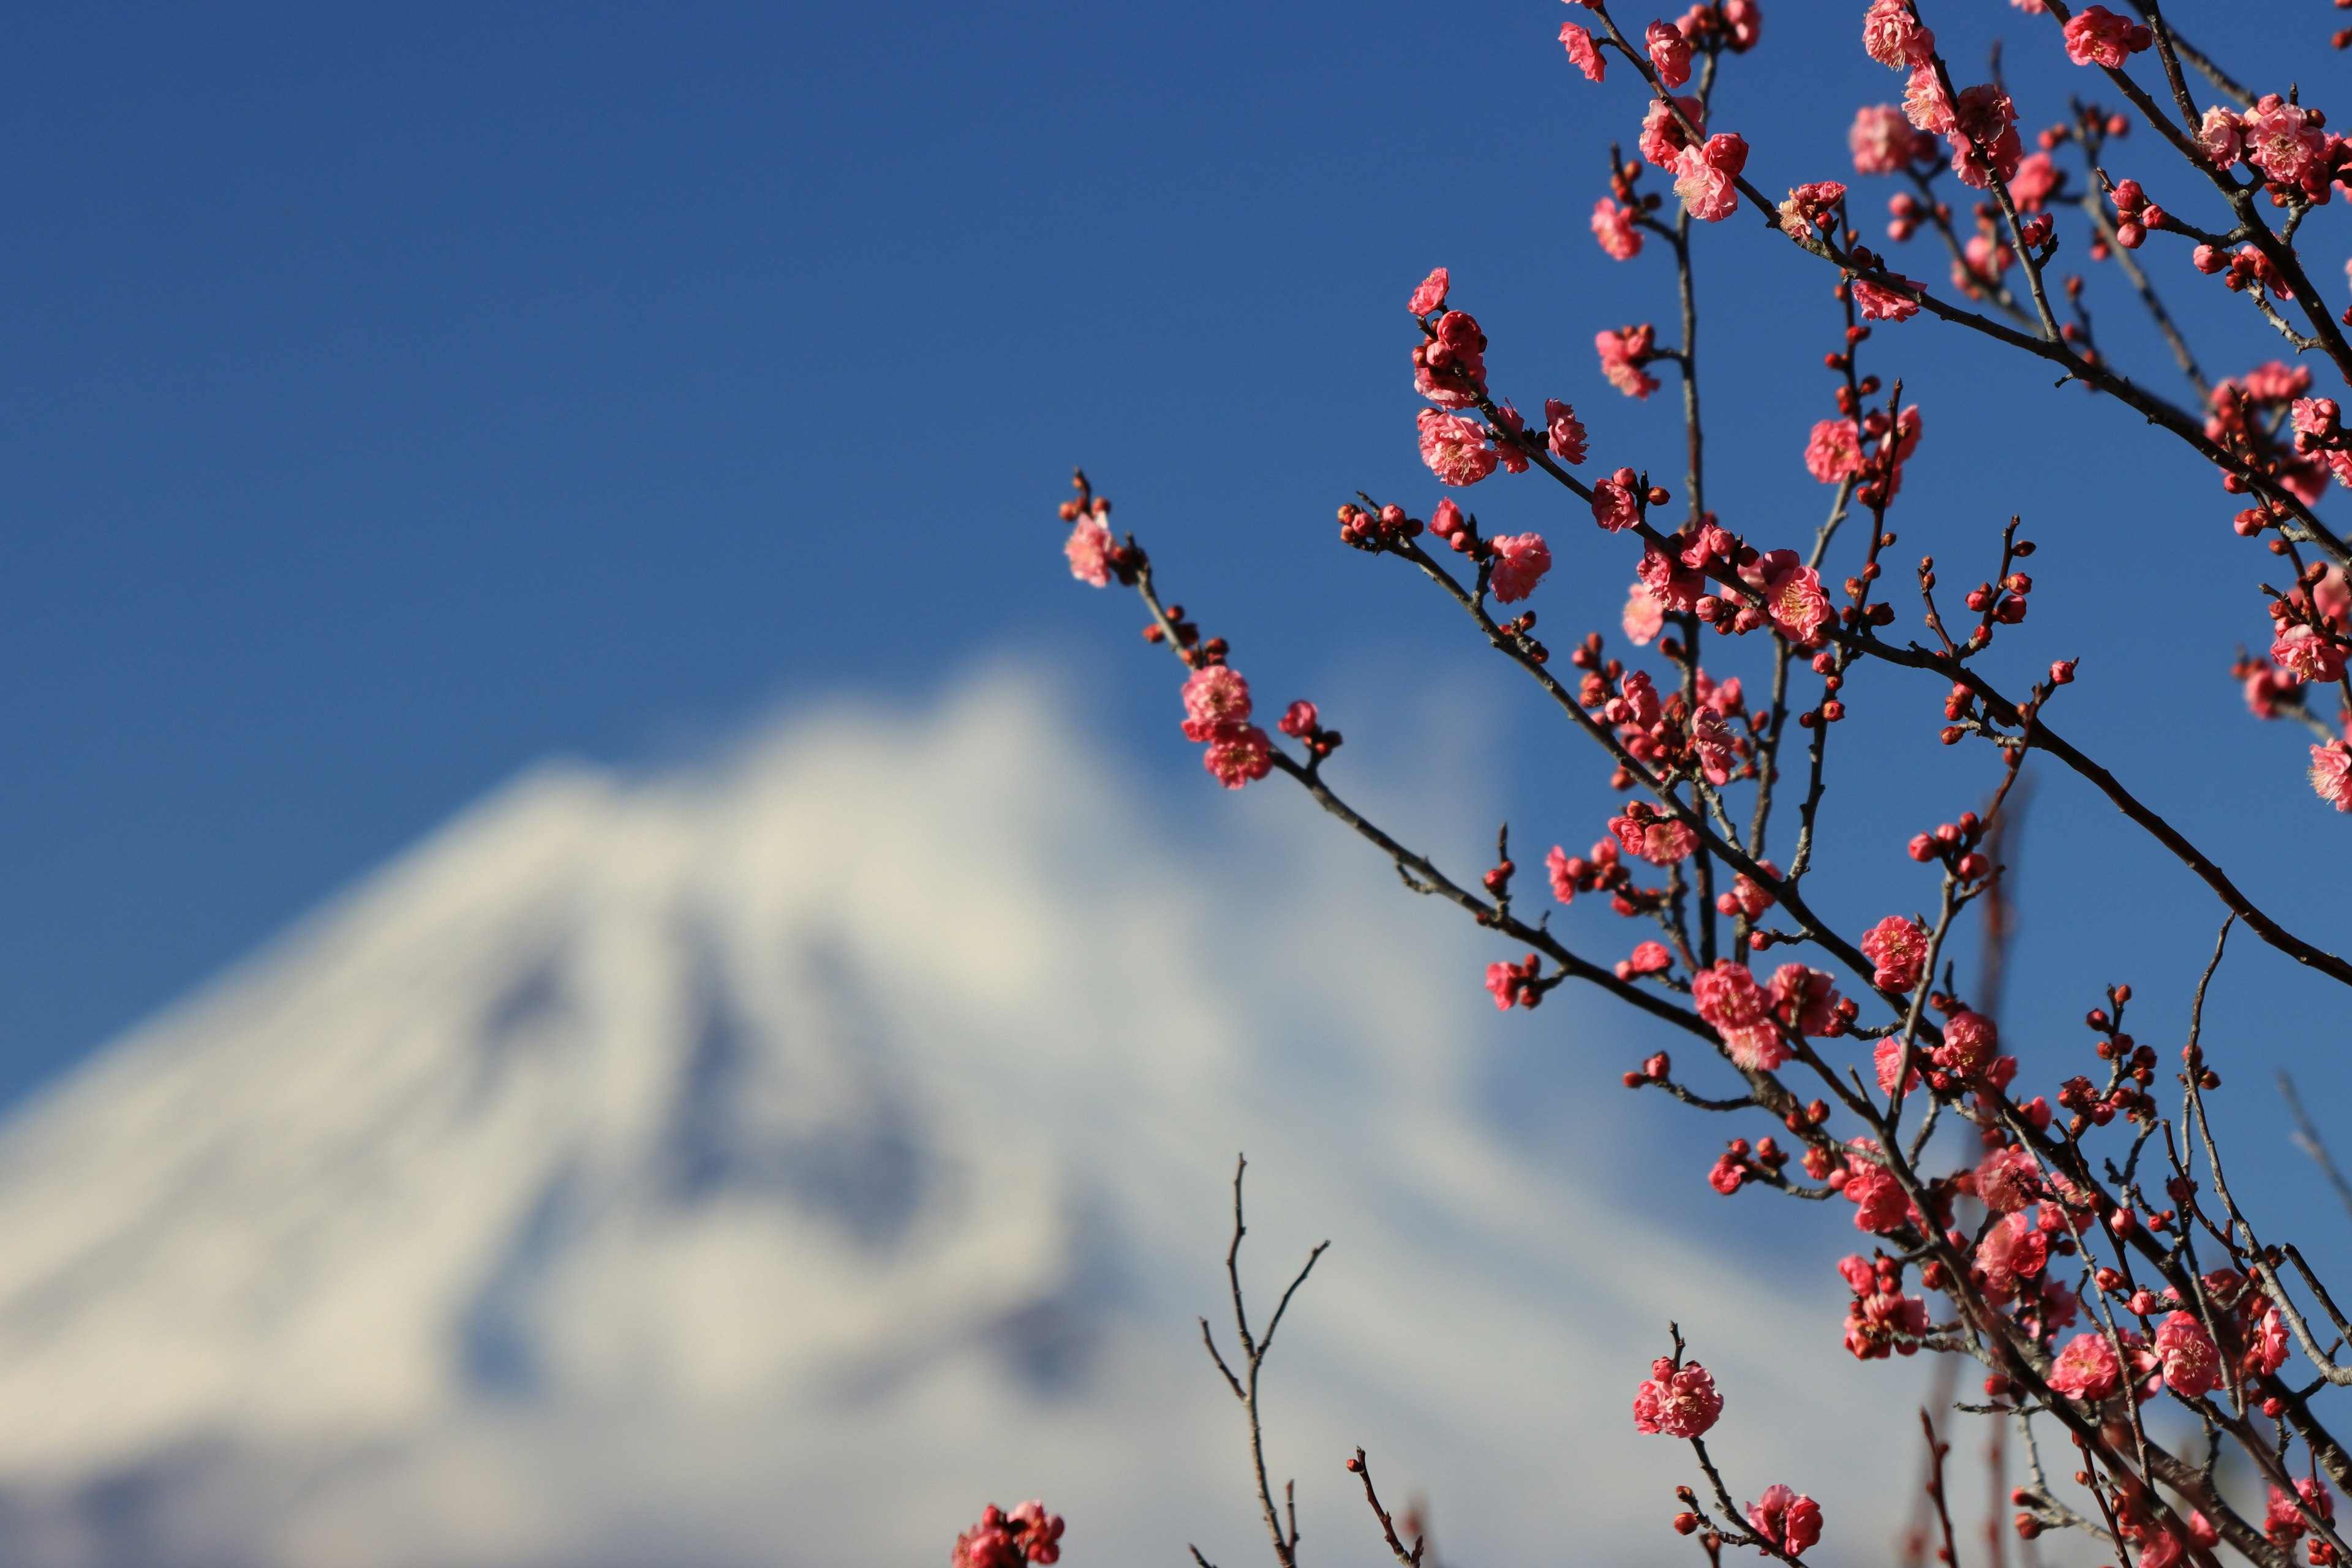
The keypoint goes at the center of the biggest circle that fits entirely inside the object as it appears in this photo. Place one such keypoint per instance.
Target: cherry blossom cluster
(1002, 1540)
(2085, 1248)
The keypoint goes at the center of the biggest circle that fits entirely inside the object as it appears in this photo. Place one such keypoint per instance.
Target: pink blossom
(1623, 353)
(1893, 37)
(1985, 146)
(1792, 595)
(1027, 1534)
(1806, 997)
(1298, 720)
(1559, 866)
(1879, 304)
(1674, 584)
(2036, 178)
(1704, 176)
(1677, 1401)
(1614, 226)
(1727, 997)
(2008, 1180)
(1649, 958)
(1089, 548)
(1645, 617)
(1450, 368)
(1663, 138)
(2331, 773)
(2222, 136)
(1508, 981)
(1581, 51)
(1880, 1203)
(1659, 840)
(1564, 432)
(1455, 449)
(1971, 1042)
(1883, 140)
(1238, 753)
(1808, 206)
(1614, 507)
(1880, 1321)
(1670, 52)
(1899, 948)
(2192, 1365)
(1514, 456)
(2282, 142)
(2268, 1352)
(2012, 1250)
(2283, 1521)
(1746, 22)
(1924, 102)
(1215, 695)
(2273, 382)
(2086, 1369)
(1788, 1519)
(1833, 452)
(1711, 743)
(2097, 37)
(2308, 655)
(1431, 295)
(1520, 562)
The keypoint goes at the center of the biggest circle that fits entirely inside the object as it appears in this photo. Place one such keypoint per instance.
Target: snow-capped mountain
(770, 1161)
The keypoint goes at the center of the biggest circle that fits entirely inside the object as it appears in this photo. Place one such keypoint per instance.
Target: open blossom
(1985, 146)
(2097, 37)
(2036, 178)
(2222, 136)
(2283, 1520)
(1792, 593)
(2014, 1250)
(1455, 449)
(1581, 51)
(1788, 1519)
(1881, 1322)
(1670, 52)
(1677, 1401)
(1878, 304)
(1238, 754)
(1880, 1203)
(1886, 1057)
(2267, 1353)
(1833, 452)
(2192, 1365)
(1727, 997)
(1520, 562)
(1431, 295)
(1809, 205)
(1806, 997)
(1899, 948)
(2308, 655)
(1614, 226)
(1089, 548)
(2008, 1180)
(1893, 37)
(1645, 617)
(1704, 176)
(1970, 1041)
(1298, 720)
(1885, 141)
(1659, 840)
(2086, 1368)
(1623, 353)
(1663, 138)
(1924, 101)
(1216, 696)
(2331, 773)
(2282, 142)
(1563, 431)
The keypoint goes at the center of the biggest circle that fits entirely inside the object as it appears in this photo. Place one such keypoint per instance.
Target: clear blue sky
(391, 398)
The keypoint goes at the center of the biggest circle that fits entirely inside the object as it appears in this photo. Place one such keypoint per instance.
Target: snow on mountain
(772, 1161)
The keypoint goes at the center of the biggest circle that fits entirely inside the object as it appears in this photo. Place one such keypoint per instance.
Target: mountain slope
(774, 1160)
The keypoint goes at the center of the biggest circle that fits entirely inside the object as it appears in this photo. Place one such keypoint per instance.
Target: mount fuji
(772, 1160)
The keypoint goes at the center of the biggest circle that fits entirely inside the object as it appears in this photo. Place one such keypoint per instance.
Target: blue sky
(389, 399)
